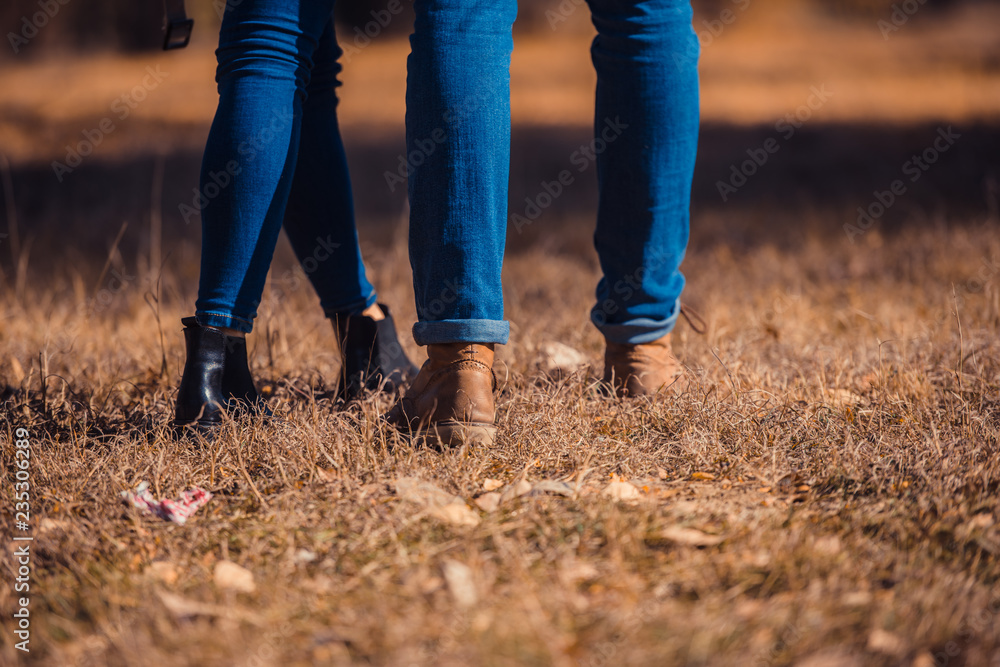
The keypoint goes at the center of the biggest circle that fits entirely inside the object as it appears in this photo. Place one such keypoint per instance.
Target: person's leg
(264, 57)
(320, 223)
(458, 154)
(646, 133)
(319, 218)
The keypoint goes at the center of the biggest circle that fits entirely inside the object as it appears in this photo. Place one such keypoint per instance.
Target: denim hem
(353, 308)
(225, 321)
(461, 331)
(639, 330)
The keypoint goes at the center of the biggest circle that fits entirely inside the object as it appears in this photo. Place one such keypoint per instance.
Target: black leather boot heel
(371, 354)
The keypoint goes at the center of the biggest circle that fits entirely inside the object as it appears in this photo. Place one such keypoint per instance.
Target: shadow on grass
(813, 184)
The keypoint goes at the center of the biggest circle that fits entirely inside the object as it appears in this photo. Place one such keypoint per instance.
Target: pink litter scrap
(177, 511)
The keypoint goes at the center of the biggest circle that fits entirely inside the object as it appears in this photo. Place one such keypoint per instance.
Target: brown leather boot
(640, 370)
(451, 400)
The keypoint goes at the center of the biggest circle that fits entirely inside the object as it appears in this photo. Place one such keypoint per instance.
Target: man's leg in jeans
(458, 152)
(646, 133)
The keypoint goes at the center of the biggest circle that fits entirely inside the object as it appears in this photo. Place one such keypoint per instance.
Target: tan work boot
(451, 400)
(640, 370)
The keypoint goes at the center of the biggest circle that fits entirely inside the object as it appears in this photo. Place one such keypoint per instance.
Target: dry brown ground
(826, 494)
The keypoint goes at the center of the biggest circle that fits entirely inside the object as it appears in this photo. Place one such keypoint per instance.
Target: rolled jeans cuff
(637, 331)
(461, 331)
(222, 321)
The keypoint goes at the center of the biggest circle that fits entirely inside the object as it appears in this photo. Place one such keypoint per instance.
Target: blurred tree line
(33, 27)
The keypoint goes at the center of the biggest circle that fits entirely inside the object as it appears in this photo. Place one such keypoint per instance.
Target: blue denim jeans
(274, 155)
(458, 150)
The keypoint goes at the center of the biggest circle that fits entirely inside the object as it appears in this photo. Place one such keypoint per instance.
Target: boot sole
(458, 434)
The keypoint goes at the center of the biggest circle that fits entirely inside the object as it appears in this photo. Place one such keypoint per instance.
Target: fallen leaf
(182, 607)
(488, 502)
(418, 491)
(829, 545)
(457, 514)
(685, 536)
(560, 359)
(491, 484)
(552, 486)
(162, 571)
(578, 570)
(230, 576)
(48, 525)
(305, 556)
(856, 599)
(515, 490)
(702, 476)
(458, 576)
(882, 641)
(621, 491)
(327, 474)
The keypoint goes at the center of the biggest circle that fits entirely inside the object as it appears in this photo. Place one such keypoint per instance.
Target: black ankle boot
(371, 354)
(216, 377)
(199, 399)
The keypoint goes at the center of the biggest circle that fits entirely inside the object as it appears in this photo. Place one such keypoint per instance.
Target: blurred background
(101, 132)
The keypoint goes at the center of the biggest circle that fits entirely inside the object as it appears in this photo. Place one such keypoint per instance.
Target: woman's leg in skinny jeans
(319, 219)
(265, 56)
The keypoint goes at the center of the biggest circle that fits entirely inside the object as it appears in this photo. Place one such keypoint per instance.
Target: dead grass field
(824, 496)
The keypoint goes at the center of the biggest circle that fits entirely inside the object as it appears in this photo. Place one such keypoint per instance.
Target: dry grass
(837, 456)
(846, 411)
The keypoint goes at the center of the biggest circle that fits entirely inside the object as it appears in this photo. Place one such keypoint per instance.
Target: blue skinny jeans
(274, 155)
(458, 155)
